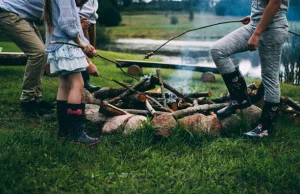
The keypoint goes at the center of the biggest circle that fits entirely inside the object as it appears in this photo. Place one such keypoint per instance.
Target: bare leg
(76, 84)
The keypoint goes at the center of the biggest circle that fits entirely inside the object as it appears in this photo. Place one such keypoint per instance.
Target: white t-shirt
(89, 11)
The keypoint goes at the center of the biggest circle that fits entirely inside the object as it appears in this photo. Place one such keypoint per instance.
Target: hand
(253, 42)
(245, 20)
(92, 69)
(90, 51)
(85, 23)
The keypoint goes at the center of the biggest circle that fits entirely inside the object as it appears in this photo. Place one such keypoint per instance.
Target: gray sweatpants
(270, 47)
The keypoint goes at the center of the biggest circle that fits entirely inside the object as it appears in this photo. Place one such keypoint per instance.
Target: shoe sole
(241, 107)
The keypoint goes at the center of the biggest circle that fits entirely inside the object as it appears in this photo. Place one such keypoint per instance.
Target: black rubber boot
(86, 80)
(61, 112)
(237, 88)
(267, 121)
(75, 113)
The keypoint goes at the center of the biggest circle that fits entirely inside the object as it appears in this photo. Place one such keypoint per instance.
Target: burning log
(166, 109)
(182, 105)
(255, 92)
(198, 109)
(190, 95)
(135, 98)
(88, 98)
(129, 91)
(162, 87)
(290, 102)
(106, 92)
(155, 80)
(195, 102)
(150, 108)
(143, 112)
(111, 110)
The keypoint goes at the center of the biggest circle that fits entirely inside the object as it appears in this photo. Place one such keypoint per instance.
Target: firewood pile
(125, 109)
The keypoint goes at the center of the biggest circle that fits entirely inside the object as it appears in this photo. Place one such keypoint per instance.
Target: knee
(217, 52)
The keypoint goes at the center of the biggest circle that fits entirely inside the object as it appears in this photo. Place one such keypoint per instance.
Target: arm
(270, 11)
(95, 5)
(92, 69)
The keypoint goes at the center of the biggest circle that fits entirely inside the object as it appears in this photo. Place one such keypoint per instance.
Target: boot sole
(241, 107)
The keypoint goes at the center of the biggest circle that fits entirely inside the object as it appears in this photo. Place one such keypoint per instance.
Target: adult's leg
(88, 33)
(232, 43)
(24, 35)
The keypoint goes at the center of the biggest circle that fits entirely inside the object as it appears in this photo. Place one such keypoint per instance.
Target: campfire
(124, 109)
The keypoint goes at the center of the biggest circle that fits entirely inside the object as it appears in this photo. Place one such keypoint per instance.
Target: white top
(89, 11)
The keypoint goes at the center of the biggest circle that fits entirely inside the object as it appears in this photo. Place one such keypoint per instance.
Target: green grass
(34, 161)
(157, 26)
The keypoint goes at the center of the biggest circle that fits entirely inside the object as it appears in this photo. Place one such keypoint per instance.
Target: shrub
(102, 37)
(173, 20)
(109, 14)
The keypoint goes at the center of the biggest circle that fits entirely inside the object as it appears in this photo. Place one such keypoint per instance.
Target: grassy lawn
(34, 161)
(157, 26)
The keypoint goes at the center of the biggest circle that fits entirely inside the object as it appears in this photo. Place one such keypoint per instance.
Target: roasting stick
(220, 23)
(161, 87)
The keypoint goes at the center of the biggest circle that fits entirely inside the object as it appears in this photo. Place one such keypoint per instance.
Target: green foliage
(102, 38)
(173, 20)
(109, 14)
(191, 15)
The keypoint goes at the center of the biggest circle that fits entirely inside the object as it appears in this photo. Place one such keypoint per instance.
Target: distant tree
(108, 12)
(124, 3)
(233, 7)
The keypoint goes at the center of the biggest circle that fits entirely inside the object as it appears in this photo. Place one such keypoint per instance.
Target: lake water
(186, 52)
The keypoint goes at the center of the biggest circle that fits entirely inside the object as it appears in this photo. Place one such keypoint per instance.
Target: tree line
(109, 10)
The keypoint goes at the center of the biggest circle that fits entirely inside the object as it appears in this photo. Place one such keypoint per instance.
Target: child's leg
(64, 89)
(235, 42)
(270, 47)
(76, 88)
(61, 109)
(75, 111)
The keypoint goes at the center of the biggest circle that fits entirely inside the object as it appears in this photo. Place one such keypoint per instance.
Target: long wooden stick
(107, 108)
(150, 109)
(290, 103)
(176, 92)
(129, 91)
(198, 109)
(161, 87)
